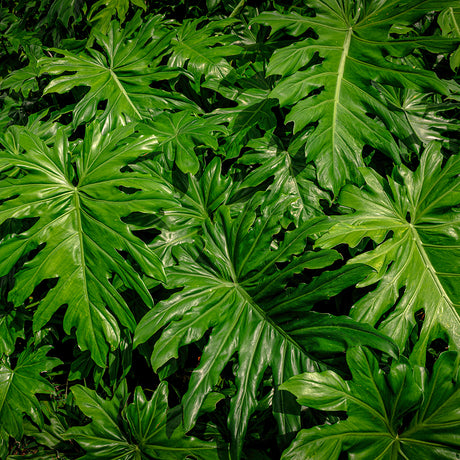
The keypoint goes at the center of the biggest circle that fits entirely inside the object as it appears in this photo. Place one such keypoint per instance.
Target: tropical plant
(208, 211)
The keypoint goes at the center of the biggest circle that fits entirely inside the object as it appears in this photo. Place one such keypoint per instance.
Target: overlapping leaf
(143, 429)
(203, 51)
(290, 172)
(18, 386)
(421, 114)
(449, 21)
(101, 17)
(180, 133)
(120, 75)
(252, 112)
(328, 80)
(77, 234)
(225, 288)
(197, 198)
(378, 406)
(416, 226)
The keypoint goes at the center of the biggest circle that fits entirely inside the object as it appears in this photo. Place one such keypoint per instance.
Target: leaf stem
(238, 8)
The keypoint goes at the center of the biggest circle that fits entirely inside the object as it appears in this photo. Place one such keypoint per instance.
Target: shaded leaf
(120, 75)
(203, 50)
(142, 429)
(221, 285)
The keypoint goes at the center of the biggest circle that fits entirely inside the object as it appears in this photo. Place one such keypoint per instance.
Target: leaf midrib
(431, 270)
(340, 75)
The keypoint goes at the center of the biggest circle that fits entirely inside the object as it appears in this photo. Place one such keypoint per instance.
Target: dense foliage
(229, 229)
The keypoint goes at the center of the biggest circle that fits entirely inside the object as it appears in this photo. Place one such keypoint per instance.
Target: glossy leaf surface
(119, 74)
(328, 80)
(419, 257)
(376, 404)
(141, 429)
(77, 234)
(232, 289)
(19, 385)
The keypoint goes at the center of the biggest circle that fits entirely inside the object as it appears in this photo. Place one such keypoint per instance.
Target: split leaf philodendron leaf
(178, 135)
(76, 200)
(417, 263)
(198, 49)
(402, 414)
(327, 77)
(232, 200)
(102, 17)
(18, 386)
(226, 289)
(120, 75)
(143, 429)
(449, 21)
(290, 172)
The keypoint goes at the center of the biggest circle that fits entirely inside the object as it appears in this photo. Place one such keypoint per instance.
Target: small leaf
(142, 429)
(18, 387)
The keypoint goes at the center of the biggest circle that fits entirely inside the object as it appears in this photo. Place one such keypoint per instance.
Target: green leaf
(223, 292)
(197, 199)
(180, 133)
(252, 112)
(449, 21)
(142, 429)
(64, 10)
(291, 175)
(204, 50)
(419, 257)
(20, 384)
(102, 18)
(77, 234)
(11, 329)
(23, 80)
(120, 74)
(378, 406)
(421, 116)
(328, 80)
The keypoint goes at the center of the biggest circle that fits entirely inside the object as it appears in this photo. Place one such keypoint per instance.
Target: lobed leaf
(328, 80)
(222, 293)
(141, 429)
(19, 386)
(120, 75)
(416, 264)
(77, 236)
(377, 405)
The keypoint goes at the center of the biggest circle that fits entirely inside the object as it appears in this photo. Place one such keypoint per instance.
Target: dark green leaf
(377, 405)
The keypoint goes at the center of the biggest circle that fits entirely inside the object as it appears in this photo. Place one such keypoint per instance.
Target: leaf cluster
(229, 229)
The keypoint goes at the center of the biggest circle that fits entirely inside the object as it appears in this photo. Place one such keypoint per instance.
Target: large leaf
(422, 114)
(77, 235)
(252, 112)
(18, 386)
(143, 429)
(223, 292)
(327, 80)
(120, 74)
(417, 263)
(198, 197)
(381, 421)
